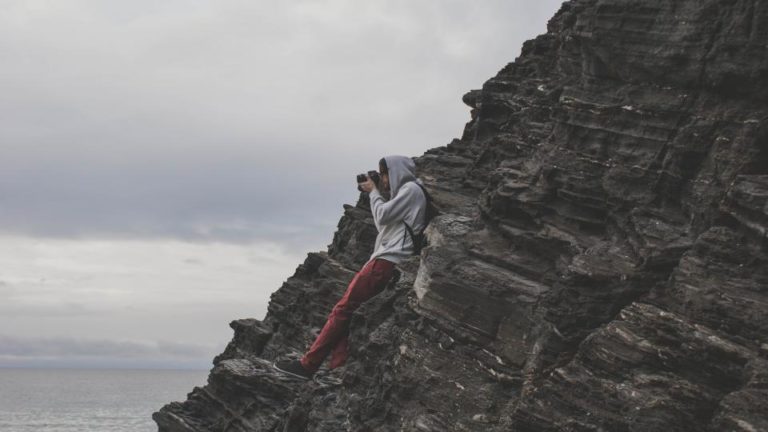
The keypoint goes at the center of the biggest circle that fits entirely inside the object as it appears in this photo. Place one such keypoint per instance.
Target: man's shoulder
(410, 187)
(415, 189)
(414, 185)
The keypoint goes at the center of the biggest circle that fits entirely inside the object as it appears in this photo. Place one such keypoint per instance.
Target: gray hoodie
(407, 203)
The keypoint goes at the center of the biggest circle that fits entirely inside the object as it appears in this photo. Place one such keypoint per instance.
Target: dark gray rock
(600, 262)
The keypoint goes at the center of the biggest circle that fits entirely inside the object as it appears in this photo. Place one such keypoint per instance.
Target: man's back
(394, 243)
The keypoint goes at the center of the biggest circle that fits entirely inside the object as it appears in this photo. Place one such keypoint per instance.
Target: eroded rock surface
(600, 263)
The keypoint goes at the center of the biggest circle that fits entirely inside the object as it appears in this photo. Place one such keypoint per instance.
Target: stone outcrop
(600, 262)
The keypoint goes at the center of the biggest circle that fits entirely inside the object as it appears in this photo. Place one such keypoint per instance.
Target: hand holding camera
(363, 178)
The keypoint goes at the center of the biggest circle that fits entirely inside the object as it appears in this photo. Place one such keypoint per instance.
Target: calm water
(64, 400)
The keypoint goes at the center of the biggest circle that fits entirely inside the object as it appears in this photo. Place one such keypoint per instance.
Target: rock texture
(600, 263)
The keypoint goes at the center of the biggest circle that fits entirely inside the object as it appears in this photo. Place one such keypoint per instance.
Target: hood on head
(401, 169)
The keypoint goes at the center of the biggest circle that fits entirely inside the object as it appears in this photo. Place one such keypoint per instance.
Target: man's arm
(386, 212)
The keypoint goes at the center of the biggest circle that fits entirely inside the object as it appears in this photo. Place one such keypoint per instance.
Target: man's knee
(343, 310)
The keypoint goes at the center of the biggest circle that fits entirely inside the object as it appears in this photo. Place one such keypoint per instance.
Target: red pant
(368, 282)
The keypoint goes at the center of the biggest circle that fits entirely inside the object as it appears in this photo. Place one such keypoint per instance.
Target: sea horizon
(138, 368)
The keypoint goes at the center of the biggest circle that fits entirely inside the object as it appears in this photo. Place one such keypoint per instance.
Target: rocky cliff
(600, 263)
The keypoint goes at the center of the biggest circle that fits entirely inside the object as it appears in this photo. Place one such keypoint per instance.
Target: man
(407, 205)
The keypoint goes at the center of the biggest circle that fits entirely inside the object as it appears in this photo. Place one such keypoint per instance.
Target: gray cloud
(212, 120)
(25, 352)
(6, 289)
(13, 309)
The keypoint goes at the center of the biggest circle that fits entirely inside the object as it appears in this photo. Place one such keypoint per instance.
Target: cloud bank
(78, 352)
(206, 120)
(164, 166)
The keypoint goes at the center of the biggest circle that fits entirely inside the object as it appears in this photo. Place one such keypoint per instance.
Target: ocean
(103, 400)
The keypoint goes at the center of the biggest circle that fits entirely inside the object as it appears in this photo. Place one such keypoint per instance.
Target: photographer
(396, 220)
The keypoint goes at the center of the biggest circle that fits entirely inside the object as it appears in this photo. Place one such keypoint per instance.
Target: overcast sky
(165, 165)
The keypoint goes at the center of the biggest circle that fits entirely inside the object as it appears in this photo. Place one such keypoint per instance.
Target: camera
(373, 175)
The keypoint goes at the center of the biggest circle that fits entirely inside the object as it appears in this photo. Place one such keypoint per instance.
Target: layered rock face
(600, 262)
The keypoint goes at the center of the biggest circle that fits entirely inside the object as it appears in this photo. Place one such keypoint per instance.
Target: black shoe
(293, 367)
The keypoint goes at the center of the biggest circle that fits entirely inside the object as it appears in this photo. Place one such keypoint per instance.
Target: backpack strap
(426, 194)
(410, 232)
(408, 228)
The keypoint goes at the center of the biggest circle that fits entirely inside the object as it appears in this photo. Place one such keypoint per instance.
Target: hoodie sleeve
(386, 212)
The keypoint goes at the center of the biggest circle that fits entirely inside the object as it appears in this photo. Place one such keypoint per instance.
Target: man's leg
(339, 352)
(368, 282)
